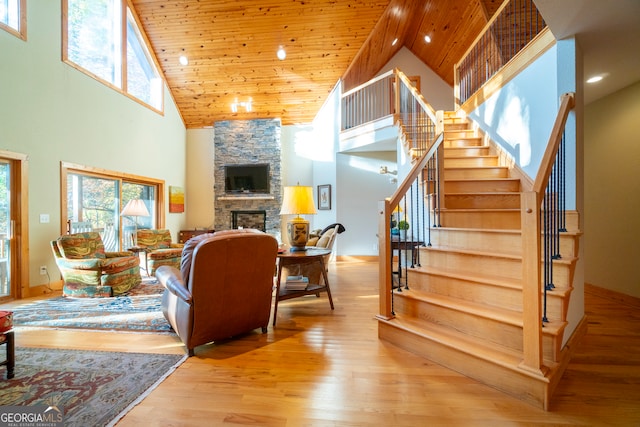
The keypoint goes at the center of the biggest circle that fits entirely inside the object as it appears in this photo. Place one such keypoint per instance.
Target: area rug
(139, 310)
(89, 388)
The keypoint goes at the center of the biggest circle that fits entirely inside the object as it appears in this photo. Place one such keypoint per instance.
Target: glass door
(93, 204)
(5, 228)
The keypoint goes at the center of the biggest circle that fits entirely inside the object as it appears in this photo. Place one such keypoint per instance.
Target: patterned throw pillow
(81, 245)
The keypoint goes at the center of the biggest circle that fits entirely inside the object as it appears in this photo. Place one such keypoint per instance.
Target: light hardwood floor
(319, 367)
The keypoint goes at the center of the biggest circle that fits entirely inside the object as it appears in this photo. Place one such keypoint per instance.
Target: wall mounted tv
(247, 178)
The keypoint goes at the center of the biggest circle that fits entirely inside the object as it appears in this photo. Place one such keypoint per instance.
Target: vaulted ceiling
(231, 46)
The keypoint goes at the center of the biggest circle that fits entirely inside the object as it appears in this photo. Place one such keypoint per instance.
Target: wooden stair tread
(502, 315)
(484, 278)
(459, 210)
(469, 345)
(454, 249)
(488, 193)
(482, 179)
(489, 279)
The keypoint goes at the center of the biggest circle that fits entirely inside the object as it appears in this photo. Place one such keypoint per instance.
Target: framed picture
(324, 197)
(176, 199)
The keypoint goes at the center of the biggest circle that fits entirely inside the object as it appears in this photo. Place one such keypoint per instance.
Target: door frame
(19, 243)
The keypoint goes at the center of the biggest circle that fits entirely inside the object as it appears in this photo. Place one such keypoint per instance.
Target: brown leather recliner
(224, 286)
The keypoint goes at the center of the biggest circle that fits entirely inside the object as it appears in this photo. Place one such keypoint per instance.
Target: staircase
(464, 302)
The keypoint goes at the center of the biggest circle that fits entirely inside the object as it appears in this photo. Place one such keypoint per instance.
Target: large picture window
(103, 39)
(94, 200)
(13, 17)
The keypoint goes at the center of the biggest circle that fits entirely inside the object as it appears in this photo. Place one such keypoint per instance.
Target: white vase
(403, 234)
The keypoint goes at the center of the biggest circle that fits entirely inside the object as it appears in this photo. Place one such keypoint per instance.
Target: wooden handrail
(370, 82)
(567, 103)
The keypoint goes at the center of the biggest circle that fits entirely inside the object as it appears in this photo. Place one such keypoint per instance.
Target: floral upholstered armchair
(158, 249)
(89, 271)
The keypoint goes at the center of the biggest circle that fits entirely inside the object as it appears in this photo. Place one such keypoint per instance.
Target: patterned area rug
(137, 311)
(91, 388)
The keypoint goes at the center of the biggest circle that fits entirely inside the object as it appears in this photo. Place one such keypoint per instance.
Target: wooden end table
(137, 250)
(309, 256)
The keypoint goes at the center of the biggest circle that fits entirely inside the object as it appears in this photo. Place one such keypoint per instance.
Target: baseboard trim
(36, 291)
(612, 295)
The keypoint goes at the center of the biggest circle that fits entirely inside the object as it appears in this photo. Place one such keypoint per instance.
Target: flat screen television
(247, 178)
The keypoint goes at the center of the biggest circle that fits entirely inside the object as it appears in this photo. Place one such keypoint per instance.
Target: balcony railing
(512, 27)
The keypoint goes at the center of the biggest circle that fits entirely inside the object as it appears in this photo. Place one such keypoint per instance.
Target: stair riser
(477, 240)
(476, 173)
(491, 241)
(485, 185)
(531, 390)
(487, 329)
(508, 268)
(463, 142)
(453, 153)
(454, 126)
(507, 220)
(484, 293)
(482, 201)
(470, 162)
(469, 264)
(468, 133)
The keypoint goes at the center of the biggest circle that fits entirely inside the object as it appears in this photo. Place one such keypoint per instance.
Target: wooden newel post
(384, 258)
(531, 284)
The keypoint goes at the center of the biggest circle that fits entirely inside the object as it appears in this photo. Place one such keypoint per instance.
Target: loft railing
(370, 101)
(512, 27)
(543, 214)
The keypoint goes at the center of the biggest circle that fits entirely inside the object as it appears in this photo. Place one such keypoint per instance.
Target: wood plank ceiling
(232, 44)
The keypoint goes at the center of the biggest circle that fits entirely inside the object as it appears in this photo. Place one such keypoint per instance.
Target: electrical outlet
(43, 270)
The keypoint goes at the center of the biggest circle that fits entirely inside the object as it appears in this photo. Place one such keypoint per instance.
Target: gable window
(13, 17)
(102, 38)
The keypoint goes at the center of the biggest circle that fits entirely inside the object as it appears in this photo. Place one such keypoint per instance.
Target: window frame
(67, 168)
(21, 31)
(126, 9)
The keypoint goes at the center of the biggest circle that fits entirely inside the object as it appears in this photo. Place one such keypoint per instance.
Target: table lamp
(298, 200)
(135, 208)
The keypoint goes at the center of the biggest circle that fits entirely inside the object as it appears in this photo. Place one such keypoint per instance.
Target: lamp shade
(298, 200)
(135, 207)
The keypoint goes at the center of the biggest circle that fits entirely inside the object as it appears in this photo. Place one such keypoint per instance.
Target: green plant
(403, 225)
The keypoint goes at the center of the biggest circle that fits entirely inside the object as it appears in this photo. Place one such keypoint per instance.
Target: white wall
(435, 90)
(199, 194)
(612, 200)
(520, 115)
(53, 113)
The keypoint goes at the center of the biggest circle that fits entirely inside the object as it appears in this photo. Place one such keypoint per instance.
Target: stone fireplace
(247, 142)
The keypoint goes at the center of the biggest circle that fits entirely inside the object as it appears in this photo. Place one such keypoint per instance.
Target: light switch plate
(44, 218)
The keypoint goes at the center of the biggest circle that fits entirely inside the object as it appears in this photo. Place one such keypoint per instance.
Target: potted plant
(403, 226)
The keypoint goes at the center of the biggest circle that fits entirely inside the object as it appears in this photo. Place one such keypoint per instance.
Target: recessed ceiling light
(427, 39)
(183, 60)
(594, 79)
(281, 54)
